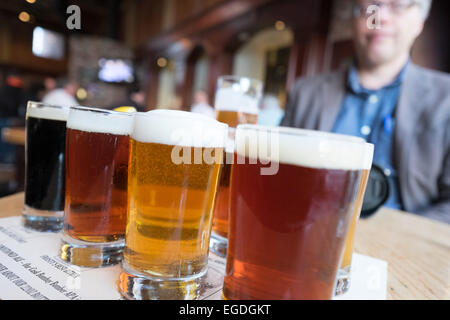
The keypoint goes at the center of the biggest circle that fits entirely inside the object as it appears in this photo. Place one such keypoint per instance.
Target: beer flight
(156, 191)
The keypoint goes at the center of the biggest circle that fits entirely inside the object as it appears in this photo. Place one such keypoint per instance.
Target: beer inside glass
(97, 149)
(343, 278)
(174, 169)
(44, 166)
(237, 102)
(292, 198)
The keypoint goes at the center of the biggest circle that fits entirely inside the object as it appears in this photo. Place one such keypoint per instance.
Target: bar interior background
(177, 47)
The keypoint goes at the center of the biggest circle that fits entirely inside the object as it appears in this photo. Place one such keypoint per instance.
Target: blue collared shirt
(369, 114)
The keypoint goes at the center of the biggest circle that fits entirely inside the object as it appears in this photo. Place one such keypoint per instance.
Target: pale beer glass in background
(344, 273)
(288, 226)
(44, 166)
(175, 162)
(97, 149)
(237, 102)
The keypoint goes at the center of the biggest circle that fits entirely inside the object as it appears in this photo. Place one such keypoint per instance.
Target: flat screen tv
(116, 70)
(48, 44)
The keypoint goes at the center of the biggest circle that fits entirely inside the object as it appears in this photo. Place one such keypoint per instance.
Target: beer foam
(45, 111)
(301, 147)
(368, 156)
(181, 128)
(100, 120)
(230, 99)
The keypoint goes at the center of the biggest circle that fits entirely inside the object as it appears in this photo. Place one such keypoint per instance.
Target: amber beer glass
(44, 166)
(237, 102)
(288, 225)
(343, 278)
(174, 169)
(96, 186)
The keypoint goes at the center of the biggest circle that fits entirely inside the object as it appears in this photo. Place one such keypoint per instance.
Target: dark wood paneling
(197, 25)
(219, 28)
(432, 48)
(220, 64)
(148, 20)
(151, 86)
(19, 51)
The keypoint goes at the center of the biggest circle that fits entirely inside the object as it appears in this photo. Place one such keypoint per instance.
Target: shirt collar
(354, 84)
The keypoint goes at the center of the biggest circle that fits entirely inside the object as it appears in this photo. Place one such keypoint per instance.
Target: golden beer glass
(344, 273)
(237, 102)
(175, 160)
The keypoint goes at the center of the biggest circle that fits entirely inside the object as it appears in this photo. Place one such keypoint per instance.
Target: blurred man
(383, 97)
(63, 95)
(11, 96)
(201, 105)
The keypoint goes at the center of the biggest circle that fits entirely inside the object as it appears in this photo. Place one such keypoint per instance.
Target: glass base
(218, 245)
(42, 220)
(91, 254)
(136, 286)
(343, 281)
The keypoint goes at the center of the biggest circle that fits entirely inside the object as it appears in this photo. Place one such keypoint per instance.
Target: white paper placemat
(30, 268)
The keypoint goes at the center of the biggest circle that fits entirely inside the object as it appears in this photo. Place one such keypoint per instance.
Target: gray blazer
(421, 136)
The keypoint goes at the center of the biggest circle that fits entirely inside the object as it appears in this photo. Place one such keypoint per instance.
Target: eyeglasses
(361, 8)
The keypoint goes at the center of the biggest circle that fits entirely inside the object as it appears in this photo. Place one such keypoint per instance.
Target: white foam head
(179, 128)
(368, 156)
(46, 111)
(229, 99)
(239, 94)
(300, 147)
(100, 120)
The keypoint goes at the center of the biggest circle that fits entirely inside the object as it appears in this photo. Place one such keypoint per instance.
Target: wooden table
(417, 250)
(14, 135)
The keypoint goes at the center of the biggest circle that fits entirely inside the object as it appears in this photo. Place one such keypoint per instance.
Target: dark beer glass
(292, 198)
(96, 186)
(44, 166)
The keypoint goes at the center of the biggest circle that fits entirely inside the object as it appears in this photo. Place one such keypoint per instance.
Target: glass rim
(307, 133)
(102, 111)
(36, 104)
(179, 114)
(235, 77)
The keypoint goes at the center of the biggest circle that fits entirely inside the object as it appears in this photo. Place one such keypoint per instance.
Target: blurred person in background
(135, 98)
(270, 113)
(11, 96)
(201, 104)
(49, 84)
(63, 94)
(403, 109)
(11, 101)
